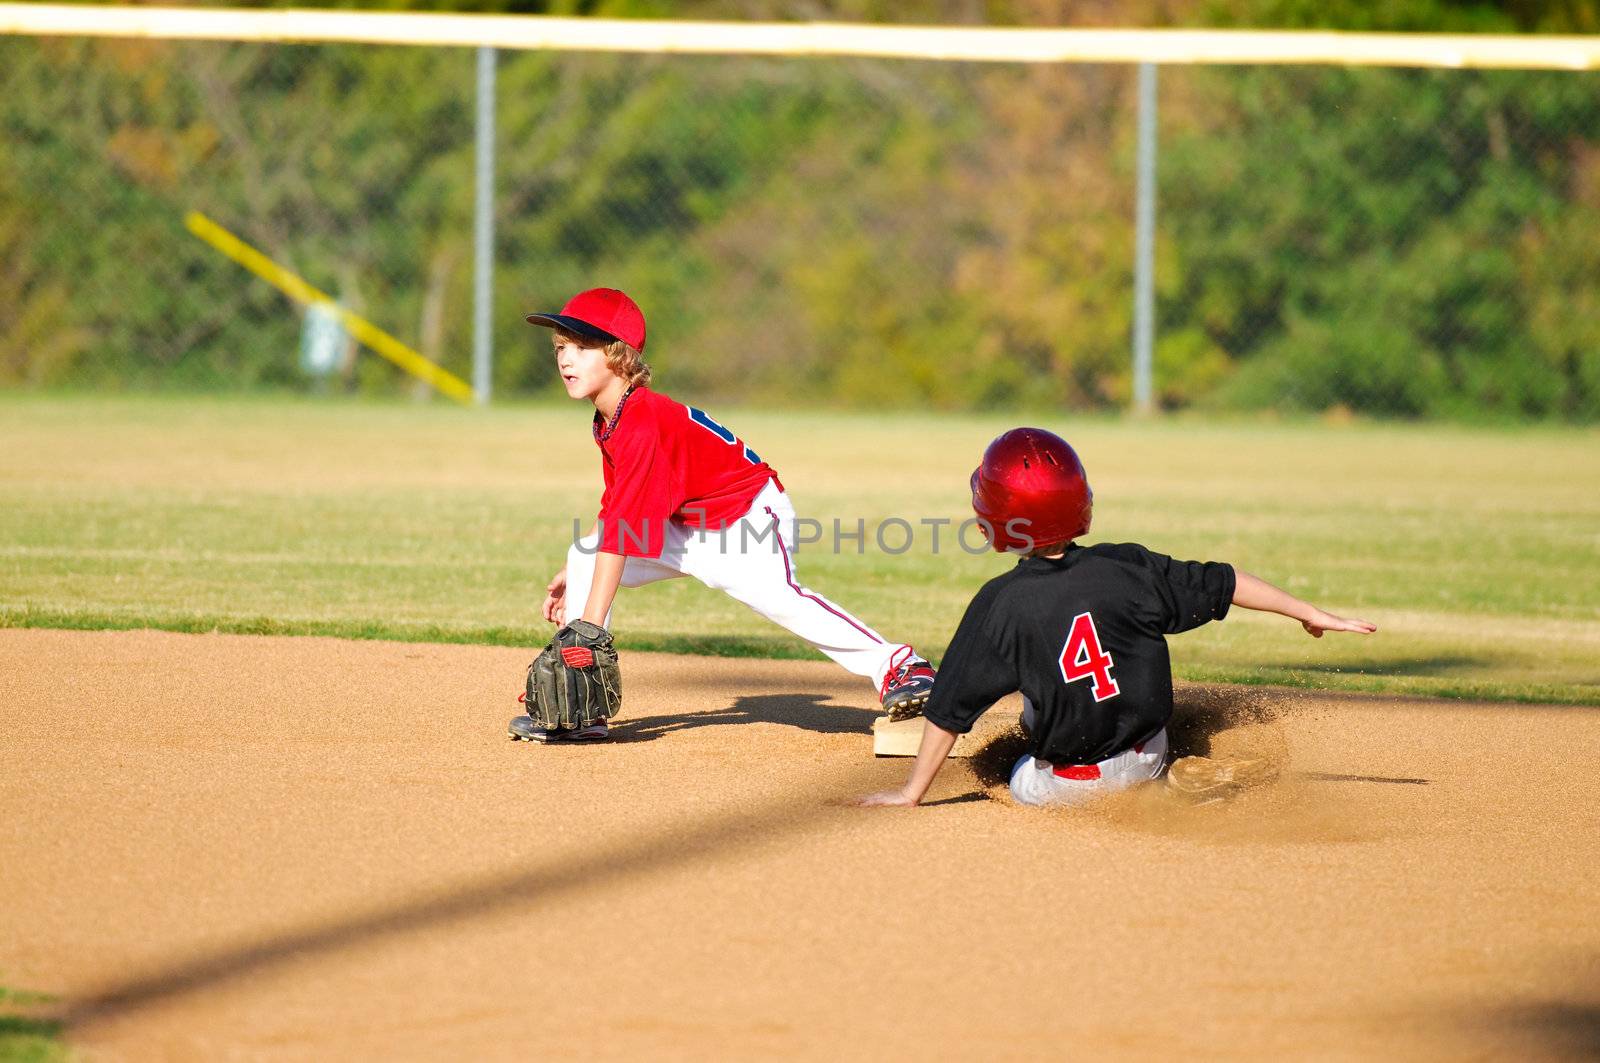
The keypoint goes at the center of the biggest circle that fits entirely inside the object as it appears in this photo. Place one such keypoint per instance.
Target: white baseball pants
(753, 562)
(1037, 782)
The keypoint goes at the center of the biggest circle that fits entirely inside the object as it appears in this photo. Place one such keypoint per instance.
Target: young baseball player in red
(684, 496)
(1081, 632)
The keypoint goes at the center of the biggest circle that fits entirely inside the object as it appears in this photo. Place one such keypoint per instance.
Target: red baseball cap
(603, 314)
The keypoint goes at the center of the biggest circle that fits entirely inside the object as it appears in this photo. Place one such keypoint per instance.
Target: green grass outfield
(1477, 551)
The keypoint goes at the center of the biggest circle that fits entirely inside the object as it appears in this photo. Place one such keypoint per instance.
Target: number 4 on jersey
(1082, 658)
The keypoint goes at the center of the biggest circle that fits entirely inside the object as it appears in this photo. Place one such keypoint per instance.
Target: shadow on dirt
(517, 889)
(1334, 776)
(1441, 664)
(1568, 1028)
(1558, 1020)
(959, 799)
(809, 712)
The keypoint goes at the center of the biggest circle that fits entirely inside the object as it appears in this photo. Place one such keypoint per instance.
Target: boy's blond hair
(621, 359)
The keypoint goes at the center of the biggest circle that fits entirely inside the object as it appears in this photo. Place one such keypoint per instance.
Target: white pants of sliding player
(753, 562)
(1037, 782)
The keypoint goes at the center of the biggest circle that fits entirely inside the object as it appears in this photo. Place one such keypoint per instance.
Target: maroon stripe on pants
(788, 574)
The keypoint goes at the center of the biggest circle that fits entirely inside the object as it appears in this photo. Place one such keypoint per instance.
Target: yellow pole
(296, 288)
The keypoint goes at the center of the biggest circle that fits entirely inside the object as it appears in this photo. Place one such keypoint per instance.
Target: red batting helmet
(1030, 490)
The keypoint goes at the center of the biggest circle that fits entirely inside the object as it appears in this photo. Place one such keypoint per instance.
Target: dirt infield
(224, 847)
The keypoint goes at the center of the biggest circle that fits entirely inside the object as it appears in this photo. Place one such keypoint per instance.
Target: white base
(903, 739)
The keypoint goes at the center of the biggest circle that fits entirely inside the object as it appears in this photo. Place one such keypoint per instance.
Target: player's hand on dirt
(1321, 621)
(887, 799)
(555, 598)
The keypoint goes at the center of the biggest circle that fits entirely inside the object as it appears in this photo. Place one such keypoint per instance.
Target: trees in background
(1408, 243)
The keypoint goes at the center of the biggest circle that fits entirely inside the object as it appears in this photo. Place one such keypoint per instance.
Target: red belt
(1085, 772)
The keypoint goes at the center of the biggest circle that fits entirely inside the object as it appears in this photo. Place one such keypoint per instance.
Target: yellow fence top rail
(971, 44)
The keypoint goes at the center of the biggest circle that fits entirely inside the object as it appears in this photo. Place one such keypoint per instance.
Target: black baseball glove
(576, 680)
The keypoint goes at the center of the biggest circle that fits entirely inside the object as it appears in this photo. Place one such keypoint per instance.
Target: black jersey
(1082, 637)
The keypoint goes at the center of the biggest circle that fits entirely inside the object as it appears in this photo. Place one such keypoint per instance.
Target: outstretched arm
(1252, 592)
(936, 746)
(972, 677)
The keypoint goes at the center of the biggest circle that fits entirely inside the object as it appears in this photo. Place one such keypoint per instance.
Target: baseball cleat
(527, 729)
(523, 729)
(1205, 779)
(906, 689)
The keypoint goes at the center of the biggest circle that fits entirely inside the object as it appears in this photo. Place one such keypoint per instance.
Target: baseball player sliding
(1081, 632)
(683, 496)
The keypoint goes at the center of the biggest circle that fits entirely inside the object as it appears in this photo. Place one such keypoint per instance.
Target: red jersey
(665, 461)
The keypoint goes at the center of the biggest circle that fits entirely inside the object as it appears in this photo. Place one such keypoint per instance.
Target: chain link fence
(830, 231)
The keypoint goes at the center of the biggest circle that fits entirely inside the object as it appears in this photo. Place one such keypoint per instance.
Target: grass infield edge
(24, 1038)
(754, 647)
